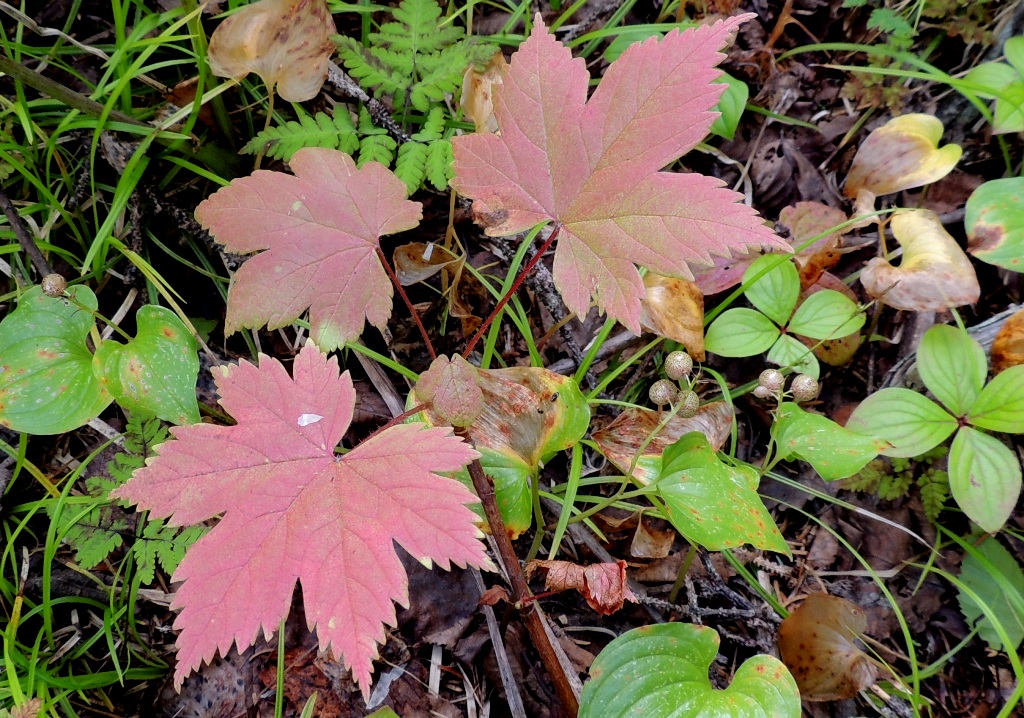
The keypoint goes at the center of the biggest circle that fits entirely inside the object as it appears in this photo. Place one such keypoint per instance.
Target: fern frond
(282, 142)
(439, 164)
(411, 165)
(376, 148)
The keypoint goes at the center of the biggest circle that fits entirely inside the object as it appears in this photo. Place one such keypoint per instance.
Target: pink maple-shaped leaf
(593, 166)
(321, 228)
(293, 510)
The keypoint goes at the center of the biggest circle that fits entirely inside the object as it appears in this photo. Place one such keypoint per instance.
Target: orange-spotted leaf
(293, 510)
(713, 503)
(623, 438)
(602, 585)
(818, 643)
(674, 308)
(594, 166)
(321, 229)
(286, 42)
(934, 273)
(452, 389)
(901, 154)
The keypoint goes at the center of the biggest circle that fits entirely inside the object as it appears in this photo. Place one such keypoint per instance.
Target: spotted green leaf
(154, 373)
(713, 503)
(47, 384)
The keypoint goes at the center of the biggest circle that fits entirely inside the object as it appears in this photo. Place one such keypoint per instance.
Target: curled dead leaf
(1008, 347)
(818, 643)
(603, 585)
(674, 308)
(935, 273)
(286, 42)
(649, 542)
(901, 154)
(418, 261)
(477, 92)
(621, 440)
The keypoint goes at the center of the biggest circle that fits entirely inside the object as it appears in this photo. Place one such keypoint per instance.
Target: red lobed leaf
(604, 586)
(321, 228)
(293, 510)
(594, 166)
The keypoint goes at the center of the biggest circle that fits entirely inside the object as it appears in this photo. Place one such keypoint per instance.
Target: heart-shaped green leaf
(712, 503)
(953, 367)
(662, 671)
(994, 220)
(47, 384)
(912, 423)
(984, 478)
(740, 333)
(1001, 404)
(154, 373)
(775, 293)
(827, 315)
(834, 452)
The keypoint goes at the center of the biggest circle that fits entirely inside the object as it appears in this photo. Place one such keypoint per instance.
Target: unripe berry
(678, 364)
(762, 392)
(804, 387)
(690, 404)
(772, 380)
(663, 392)
(53, 285)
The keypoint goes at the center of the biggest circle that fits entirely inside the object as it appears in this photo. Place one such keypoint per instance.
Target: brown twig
(378, 112)
(521, 595)
(24, 237)
(408, 303)
(512, 290)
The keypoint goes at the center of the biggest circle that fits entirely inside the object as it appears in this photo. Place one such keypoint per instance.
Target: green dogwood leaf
(953, 366)
(154, 373)
(994, 220)
(834, 452)
(47, 384)
(712, 503)
(740, 332)
(661, 671)
(984, 478)
(997, 595)
(789, 351)
(1000, 407)
(827, 315)
(910, 422)
(776, 293)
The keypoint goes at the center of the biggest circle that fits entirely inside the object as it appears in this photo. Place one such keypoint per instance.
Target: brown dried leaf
(478, 92)
(1008, 347)
(602, 585)
(818, 645)
(452, 388)
(901, 154)
(286, 42)
(674, 308)
(934, 275)
(419, 261)
(620, 440)
(649, 542)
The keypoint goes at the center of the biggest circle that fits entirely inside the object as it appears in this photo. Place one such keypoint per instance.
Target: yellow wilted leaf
(478, 95)
(901, 154)
(935, 274)
(674, 308)
(286, 42)
(1008, 347)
